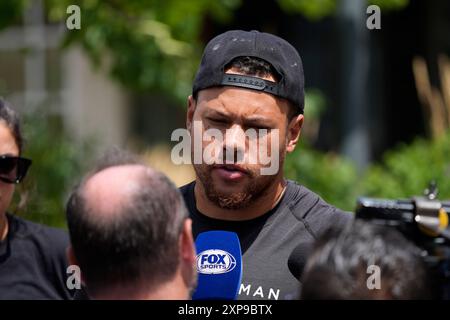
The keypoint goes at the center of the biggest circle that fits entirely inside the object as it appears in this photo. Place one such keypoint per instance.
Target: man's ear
(71, 256)
(72, 260)
(192, 103)
(187, 245)
(188, 254)
(293, 134)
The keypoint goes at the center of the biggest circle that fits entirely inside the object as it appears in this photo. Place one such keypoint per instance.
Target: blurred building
(38, 74)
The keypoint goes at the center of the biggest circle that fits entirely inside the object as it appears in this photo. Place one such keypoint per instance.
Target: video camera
(424, 221)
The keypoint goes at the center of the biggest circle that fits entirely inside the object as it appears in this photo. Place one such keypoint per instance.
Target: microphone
(219, 266)
(298, 258)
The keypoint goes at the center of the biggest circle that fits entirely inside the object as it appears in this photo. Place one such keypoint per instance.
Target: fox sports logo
(215, 261)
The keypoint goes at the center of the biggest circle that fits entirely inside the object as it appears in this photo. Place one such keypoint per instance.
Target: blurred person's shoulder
(187, 188)
(36, 256)
(46, 244)
(309, 208)
(40, 234)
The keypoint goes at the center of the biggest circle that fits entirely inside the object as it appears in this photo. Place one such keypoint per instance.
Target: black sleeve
(57, 244)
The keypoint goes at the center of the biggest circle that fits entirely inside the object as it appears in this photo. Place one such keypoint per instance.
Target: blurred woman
(32, 256)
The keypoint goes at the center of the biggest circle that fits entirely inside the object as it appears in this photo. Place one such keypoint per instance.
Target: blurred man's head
(130, 233)
(365, 261)
(246, 81)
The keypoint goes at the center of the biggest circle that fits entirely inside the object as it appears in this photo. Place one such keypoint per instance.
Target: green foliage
(403, 172)
(315, 102)
(331, 176)
(58, 163)
(154, 45)
(11, 11)
(148, 45)
(390, 4)
(315, 10)
(407, 170)
(312, 9)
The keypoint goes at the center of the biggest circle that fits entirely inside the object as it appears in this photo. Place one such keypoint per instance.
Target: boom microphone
(219, 266)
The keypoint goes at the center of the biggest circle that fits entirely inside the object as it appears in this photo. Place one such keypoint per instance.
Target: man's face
(233, 111)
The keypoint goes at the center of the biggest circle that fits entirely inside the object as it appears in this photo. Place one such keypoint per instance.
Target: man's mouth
(230, 172)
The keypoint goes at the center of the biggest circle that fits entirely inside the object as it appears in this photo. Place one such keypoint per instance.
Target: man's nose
(234, 144)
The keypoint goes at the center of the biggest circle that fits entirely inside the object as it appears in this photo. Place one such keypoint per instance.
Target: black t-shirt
(267, 241)
(33, 262)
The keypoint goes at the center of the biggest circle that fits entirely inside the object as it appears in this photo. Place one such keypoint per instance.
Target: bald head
(125, 221)
(107, 192)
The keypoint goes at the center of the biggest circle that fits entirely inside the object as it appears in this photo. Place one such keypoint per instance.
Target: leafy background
(155, 46)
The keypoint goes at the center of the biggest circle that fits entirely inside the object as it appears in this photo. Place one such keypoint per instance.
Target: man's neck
(264, 203)
(3, 227)
(174, 289)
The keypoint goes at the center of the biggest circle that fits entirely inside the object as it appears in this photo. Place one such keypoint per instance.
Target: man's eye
(261, 127)
(220, 121)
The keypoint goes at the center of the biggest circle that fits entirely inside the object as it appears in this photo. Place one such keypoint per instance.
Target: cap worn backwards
(227, 46)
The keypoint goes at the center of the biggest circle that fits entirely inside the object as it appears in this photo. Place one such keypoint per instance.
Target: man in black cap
(253, 81)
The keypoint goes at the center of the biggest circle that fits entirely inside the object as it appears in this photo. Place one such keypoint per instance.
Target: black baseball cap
(283, 57)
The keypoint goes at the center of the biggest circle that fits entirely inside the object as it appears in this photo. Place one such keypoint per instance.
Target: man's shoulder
(309, 208)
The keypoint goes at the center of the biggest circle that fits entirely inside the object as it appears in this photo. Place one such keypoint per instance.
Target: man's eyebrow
(250, 120)
(258, 121)
(215, 112)
(256, 118)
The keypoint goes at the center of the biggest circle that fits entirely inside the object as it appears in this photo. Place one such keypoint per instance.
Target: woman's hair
(10, 117)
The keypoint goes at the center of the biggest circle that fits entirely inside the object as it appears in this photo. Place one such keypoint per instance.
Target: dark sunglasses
(13, 169)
